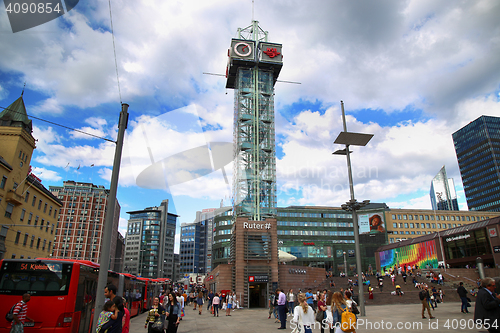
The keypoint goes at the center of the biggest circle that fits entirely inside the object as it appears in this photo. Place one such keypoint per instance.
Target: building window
(413, 232)
(2, 184)
(25, 239)
(439, 225)
(39, 204)
(454, 225)
(44, 242)
(405, 217)
(18, 235)
(401, 225)
(473, 218)
(29, 218)
(407, 232)
(468, 218)
(411, 226)
(399, 217)
(50, 210)
(34, 201)
(22, 214)
(38, 243)
(417, 225)
(394, 225)
(36, 220)
(449, 225)
(393, 216)
(32, 241)
(434, 226)
(432, 217)
(427, 217)
(406, 225)
(428, 225)
(418, 232)
(410, 217)
(45, 208)
(26, 198)
(13, 256)
(8, 210)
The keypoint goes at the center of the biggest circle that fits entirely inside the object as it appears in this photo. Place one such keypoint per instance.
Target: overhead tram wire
(114, 51)
(56, 124)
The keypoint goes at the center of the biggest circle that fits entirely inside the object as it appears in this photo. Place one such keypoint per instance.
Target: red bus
(63, 293)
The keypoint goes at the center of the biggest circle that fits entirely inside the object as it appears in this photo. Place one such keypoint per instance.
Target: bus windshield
(36, 277)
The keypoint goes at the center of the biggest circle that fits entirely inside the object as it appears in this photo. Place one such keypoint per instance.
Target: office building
(29, 211)
(477, 146)
(81, 222)
(149, 243)
(443, 194)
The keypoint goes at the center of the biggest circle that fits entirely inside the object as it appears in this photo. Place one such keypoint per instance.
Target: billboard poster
(371, 223)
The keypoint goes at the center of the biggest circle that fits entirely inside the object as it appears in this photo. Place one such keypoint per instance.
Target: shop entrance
(257, 295)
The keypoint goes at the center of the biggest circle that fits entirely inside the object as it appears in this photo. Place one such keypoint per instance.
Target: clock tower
(252, 70)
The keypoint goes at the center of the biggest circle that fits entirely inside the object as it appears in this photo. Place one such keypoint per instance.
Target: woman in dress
(303, 314)
(199, 301)
(173, 312)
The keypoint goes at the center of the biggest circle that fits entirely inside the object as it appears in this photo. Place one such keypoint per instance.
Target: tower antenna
(253, 3)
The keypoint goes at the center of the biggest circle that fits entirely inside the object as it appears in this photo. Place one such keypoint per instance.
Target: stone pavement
(382, 318)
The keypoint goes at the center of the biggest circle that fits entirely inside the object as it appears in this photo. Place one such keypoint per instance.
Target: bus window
(37, 278)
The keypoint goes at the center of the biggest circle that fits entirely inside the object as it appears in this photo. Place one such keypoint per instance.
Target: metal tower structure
(252, 70)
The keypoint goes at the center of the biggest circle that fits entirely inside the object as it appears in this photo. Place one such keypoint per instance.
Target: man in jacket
(462, 292)
(424, 296)
(487, 308)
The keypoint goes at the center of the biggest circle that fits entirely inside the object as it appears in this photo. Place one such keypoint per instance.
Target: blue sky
(410, 72)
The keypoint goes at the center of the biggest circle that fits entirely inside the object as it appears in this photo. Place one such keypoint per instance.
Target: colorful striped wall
(421, 254)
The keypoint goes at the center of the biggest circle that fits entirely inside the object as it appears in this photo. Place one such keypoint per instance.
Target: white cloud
(46, 174)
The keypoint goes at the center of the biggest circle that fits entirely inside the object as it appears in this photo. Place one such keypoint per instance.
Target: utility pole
(110, 212)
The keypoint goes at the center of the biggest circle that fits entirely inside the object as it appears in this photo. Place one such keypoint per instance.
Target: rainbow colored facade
(420, 254)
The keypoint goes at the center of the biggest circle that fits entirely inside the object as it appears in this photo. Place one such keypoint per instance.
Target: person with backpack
(424, 296)
(19, 317)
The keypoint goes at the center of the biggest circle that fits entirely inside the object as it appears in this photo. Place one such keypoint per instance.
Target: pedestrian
(215, 304)
(441, 295)
(199, 301)
(272, 310)
(322, 307)
(303, 314)
(210, 298)
(487, 310)
(229, 303)
(108, 313)
(462, 292)
(172, 311)
(310, 298)
(398, 290)
(424, 296)
(370, 291)
(435, 296)
(19, 315)
(404, 277)
(126, 317)
(281, 308)
(291, 301)
(115, 326)
(180, 301)
(156, 312)
(381, 284)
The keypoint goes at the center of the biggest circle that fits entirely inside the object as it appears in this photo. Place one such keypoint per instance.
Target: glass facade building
(149, 244)
(477, 146)
(443, 194)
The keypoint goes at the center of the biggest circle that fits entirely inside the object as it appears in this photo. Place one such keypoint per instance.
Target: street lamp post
(355, 139)
(345, 264)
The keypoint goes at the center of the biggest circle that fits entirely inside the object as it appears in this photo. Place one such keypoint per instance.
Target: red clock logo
(251, 279)
(271, 53)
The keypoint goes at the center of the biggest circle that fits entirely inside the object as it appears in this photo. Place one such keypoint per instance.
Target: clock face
(242, 49)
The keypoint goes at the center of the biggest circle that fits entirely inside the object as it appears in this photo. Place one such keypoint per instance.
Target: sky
(409, 72)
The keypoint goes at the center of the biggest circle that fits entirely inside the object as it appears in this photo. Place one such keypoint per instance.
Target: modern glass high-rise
(149, 244)
(253, 68)
(443, 194)
(478, 152)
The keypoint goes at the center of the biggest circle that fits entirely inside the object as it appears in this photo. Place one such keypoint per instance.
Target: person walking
(291, 301)
(19, 315)
(281, 309)
(424, 296)
(462, 292)
(303, 314)
(229, 303)
(180, 301)
(173, 313)
(310, 298)
(435, 296)
(210, 298)
(156, 311)
(215, 304)
(322, 307)
(199, 301)
(487, 309)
